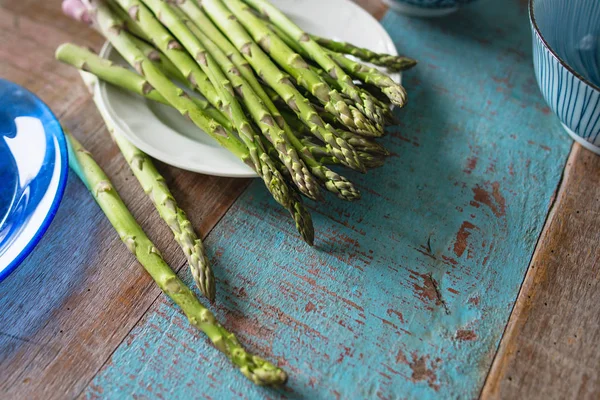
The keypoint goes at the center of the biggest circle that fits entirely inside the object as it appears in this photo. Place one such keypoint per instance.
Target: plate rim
(62, 184)
(105, 103)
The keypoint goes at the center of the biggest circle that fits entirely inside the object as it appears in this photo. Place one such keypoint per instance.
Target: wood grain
(550, 349)
(375, 7)
(80, 292)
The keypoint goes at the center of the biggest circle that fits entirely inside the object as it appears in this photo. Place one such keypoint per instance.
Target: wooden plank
(76, 297)
(375, 7)
(408, 290)
(550, 348)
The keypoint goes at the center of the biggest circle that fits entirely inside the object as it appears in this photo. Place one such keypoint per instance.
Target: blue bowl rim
(560, 60)
(62, 184)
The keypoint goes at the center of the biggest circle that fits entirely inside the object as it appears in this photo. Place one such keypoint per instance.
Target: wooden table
(81, 318)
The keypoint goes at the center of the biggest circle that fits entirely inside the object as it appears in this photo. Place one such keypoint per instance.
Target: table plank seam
(495, 369)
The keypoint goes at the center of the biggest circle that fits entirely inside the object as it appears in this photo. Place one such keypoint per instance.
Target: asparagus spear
(318, 54)
(258, 370)
(110, 25)
(129, 80)
(360, 143)
(154, 185)
(382, 108)
(300, 175)
(394, 91)
(393, 63)
(222, 85)
(325, 157)
(293, 63)
(332, 181)
(269, 72)
(106, 70)
(159, 59)
(138, 15)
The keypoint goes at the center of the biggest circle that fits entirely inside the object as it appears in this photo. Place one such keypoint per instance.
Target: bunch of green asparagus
(288, 104)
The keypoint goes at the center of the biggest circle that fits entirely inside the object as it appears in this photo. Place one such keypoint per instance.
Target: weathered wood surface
(409, 290)
(74, 300)
(550, 349)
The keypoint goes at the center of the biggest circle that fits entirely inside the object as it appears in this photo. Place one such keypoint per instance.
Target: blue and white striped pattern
(573, 99)
(571, 28)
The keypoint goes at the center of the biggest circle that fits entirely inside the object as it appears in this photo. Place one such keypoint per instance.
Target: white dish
(164, 134)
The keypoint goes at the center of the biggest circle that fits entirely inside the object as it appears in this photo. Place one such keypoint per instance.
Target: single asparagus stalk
(371, 161)
(131, 25)
(258, 370)
(394, 91)
(159, 59)
(294, 64)
(393, 63)
(138, 15)
(318, 54)
(124, 78)
(268, 71)
(300, 175)
(364, 144)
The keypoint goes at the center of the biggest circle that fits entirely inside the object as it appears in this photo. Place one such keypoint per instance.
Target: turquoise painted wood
(408, 291)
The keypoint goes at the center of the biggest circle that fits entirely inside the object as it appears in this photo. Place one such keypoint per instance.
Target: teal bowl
(566, 59)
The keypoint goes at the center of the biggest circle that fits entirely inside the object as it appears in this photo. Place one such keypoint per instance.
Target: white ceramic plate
(164, 134)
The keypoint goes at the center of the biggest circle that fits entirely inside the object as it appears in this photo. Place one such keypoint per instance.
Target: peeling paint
(406, 290)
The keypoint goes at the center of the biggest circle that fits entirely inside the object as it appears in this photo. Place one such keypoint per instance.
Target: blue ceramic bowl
(33, 172)
(566, 58)
(426, 8)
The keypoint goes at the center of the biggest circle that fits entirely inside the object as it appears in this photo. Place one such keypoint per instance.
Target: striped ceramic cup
(426, 8)
(566, 58)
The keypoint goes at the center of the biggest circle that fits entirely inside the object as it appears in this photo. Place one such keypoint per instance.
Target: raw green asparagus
(269, 72)
(300, 175)
(114, 74)
(391, 62)
(258, 370)
(298, 68)
(318, 54)
(154, 185)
